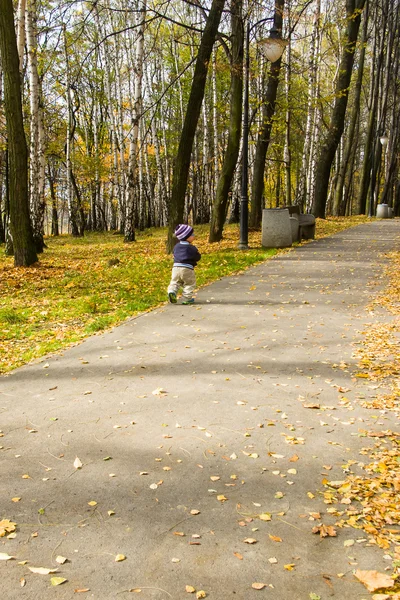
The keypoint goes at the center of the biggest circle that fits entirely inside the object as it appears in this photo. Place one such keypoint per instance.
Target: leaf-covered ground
(75, 290)
(371, 502)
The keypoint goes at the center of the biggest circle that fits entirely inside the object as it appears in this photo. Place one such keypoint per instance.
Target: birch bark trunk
(136, 116)
(37, 150)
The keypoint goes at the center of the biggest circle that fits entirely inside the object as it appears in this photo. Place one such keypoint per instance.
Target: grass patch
(73, 291)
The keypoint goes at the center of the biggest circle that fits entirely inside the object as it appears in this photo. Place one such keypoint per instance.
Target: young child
(186, 257)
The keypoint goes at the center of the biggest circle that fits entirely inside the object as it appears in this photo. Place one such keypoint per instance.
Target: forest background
(105, 93)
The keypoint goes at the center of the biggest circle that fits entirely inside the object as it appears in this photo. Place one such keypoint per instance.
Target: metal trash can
(382, 211)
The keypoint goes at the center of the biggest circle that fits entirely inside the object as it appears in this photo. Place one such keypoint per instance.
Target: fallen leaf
(5, 556)
(373, 580)
(120, 557)
(194, 512)
(6, 526)
(325, 530)
(264, 517)
(61, 560)
(159, 391)
(92, 503)
(77, 463)
(42, 570)
(201, 594)
(273, 560)
(289, 567)
(81, 590)
(258, 586)
(222, 498)
(238, 555)
(190, 589)
(57, 580)
(250, 541)
(275, 538)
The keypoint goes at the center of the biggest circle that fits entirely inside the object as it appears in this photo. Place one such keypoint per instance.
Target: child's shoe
(172, 297)
(191, 301)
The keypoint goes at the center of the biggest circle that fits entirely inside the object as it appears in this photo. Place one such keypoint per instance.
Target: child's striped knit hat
(182, 232)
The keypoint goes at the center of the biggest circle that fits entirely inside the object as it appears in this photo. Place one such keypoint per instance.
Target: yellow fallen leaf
(201, 594)
(373, 580)
(16, 499)
(265, 517)
(222, 498)
(190, 589)
(6, 526)
(92, 503)
(238, 555)
(120, 557)
(275, 538)
(57, 580)
(289, 567)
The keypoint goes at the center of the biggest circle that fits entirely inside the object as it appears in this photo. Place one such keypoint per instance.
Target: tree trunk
(37, 160)
(182, 163)
(339, 206)
(303, 190)
(264, 136)
(20, 225)
(133, 176)
(230, 160)
(328, 149)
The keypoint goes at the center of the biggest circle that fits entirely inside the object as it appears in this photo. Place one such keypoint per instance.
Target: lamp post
(383, 141)
(273, 48)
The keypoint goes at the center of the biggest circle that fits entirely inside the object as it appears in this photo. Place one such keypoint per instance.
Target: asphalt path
(162, 441)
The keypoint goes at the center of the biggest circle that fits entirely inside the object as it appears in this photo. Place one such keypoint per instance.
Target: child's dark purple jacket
(186, 255)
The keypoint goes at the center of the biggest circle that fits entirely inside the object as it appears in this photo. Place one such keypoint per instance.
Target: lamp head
(384, 140)
(273, 46)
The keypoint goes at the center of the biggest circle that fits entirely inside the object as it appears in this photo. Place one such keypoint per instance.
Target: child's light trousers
(182, 277)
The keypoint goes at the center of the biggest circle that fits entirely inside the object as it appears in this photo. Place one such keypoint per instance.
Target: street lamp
(272, 47)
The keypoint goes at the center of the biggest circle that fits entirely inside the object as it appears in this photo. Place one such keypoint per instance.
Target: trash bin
(276, 228)
(382, 211)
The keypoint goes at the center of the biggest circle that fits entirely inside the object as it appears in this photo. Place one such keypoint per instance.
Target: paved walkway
(188, 421)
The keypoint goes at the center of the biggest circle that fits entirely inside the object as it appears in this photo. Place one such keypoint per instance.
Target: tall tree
(182, 162)
(328, 149)
(20, 225)
(264, 136)
(232, 151)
